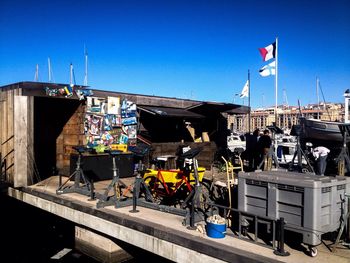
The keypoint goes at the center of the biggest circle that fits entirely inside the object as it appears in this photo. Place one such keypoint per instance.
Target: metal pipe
(59, 181)
(134, 201)
(280, 247)
(192, 216)
(92, 191)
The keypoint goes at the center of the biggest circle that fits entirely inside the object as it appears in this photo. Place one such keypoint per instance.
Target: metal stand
(344, 224)
(267, 160)
(271, 155)
(148, 201)
(139, 182)
(117, 199)
(193, 200)
(300, 154)
(78, 174)
(343, 160)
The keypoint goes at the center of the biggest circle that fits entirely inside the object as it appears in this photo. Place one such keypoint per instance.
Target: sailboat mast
(249, 113)
(49, 68)
(318, 98)
(86, 67)
(71, 74)
(36, 76)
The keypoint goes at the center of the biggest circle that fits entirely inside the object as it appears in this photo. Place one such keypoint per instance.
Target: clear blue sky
(186, 49)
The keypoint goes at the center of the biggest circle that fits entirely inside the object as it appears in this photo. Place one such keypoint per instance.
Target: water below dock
(31, 235)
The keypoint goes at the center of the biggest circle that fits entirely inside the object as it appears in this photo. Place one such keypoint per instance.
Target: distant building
(286, 116)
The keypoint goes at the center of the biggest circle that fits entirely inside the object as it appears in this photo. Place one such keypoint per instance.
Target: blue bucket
(216, 230)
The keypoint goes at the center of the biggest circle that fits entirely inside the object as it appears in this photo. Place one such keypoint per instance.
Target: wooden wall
(29, 126)
(7, 129)
(58, 126)
(72, 134)
(23, 141)
(205, 157)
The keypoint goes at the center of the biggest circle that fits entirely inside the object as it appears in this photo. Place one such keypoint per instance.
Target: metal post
(280, 247)
(59, 181)
(192, 226)
(92, 191)
(134, 201)
(77, 174)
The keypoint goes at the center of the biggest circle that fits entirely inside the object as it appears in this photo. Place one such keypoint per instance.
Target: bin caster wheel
(313, 251)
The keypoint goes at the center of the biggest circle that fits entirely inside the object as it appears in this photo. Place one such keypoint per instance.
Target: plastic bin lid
(294, 178)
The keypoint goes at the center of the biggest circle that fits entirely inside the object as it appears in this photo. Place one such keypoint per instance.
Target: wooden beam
(21, 140)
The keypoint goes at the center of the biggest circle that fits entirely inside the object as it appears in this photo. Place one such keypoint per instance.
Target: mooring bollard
(280, 246)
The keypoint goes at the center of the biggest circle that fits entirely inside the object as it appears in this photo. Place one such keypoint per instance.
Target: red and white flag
(268, 52)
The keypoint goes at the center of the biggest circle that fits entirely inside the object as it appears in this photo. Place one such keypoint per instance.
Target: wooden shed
(38, 129)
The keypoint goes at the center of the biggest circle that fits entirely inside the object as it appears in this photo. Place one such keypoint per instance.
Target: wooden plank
(2, 126)
(21, 141)
(5, 130)
(31, 166)
(10, 134)
(2, 122)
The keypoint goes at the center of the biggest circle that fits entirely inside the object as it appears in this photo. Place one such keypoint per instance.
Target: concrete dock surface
(163, 233)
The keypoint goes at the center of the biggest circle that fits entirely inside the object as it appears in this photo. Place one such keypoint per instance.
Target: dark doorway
(50, 116)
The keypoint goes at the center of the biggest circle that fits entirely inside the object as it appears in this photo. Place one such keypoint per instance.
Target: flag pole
(276, 81)
(249, 101)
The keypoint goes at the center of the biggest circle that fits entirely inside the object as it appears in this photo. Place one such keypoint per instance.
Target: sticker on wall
(111, 121)
(128, 109)
(132, 142)
(130, 131)
(123, 139)
(52, 92)
(93, 124)
(129, 121)
(82, 94)
(107, 138)
(93, 141)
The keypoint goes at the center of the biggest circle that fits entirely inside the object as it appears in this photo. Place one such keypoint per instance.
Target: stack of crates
(310, 204)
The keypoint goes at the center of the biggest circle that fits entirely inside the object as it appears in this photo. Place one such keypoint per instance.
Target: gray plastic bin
(310, 204)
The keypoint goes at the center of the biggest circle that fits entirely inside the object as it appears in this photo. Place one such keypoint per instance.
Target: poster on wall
(93, 124)
(130, 131)
(110, 121)
(128, 109)
(96, 105)
(129, 121)
(113, 121)
(113, 105)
